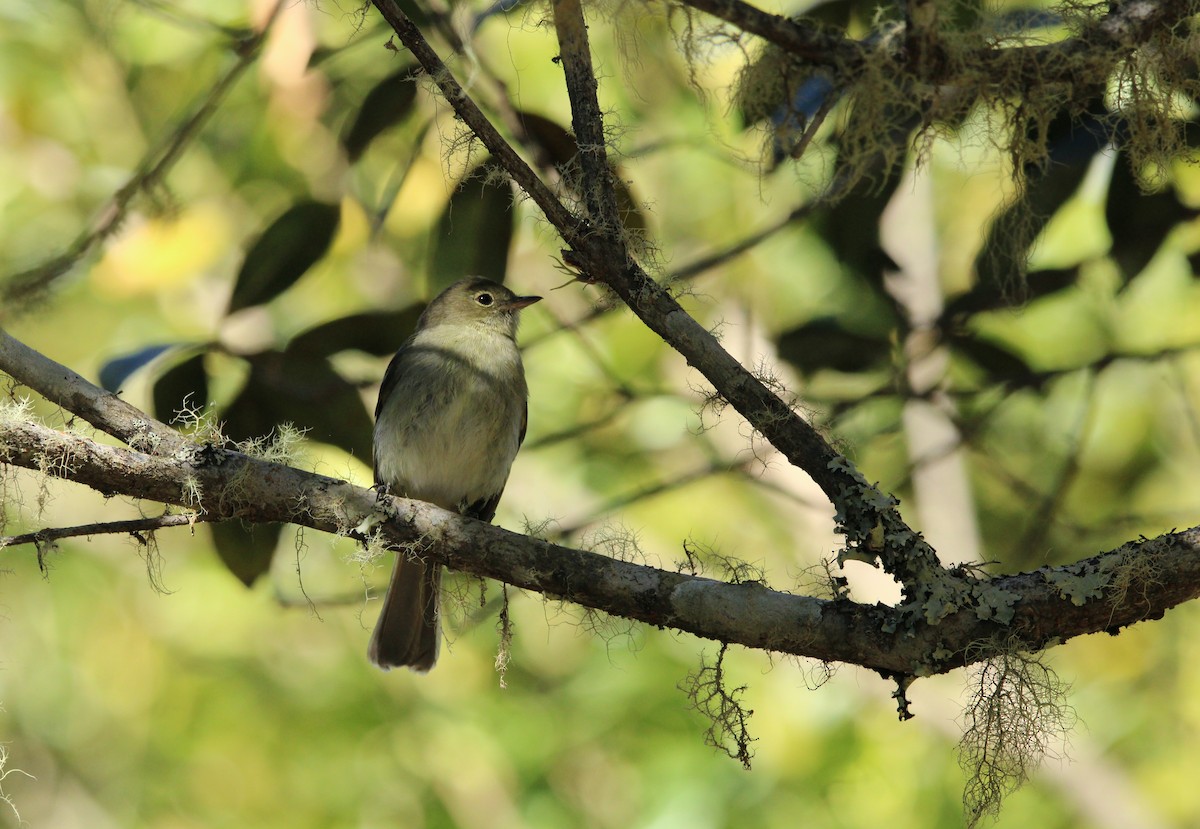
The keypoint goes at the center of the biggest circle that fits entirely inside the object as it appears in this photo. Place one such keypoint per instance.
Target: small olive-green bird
(451, 415)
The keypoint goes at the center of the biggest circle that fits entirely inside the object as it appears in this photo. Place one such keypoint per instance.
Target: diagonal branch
(812, 43)
(104, 410)
(867, 516)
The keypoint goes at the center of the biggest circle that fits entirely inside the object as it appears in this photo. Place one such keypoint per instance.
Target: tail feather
(408, 633)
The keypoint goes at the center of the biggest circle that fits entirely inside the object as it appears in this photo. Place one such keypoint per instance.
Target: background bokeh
(146, 686)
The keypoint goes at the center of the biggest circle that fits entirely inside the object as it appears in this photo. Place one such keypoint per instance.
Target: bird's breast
(451, 425)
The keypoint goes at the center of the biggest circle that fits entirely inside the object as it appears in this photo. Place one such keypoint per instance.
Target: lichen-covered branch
(104, 410)
(804, 39)
(1009, 69)
(588, 122)
(1138, 581)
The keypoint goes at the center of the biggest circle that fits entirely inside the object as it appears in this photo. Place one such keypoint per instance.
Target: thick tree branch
(1138, 581)
(1086, 58)
(63, 387)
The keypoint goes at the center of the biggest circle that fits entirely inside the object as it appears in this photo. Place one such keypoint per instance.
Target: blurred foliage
(290, 251)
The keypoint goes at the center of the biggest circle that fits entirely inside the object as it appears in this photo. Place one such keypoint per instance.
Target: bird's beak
(519, 302)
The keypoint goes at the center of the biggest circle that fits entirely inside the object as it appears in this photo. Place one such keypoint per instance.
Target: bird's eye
(484, 299)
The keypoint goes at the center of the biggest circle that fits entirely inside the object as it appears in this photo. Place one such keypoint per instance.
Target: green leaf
(1139, 222)
(990, 296)
(306, 391)
(554, 139)
(999, 363)
(183, 384)
(474, 232)
(246, 550)
(290, 246)
(825, 344)
(851, 228)
(375, 332)
(388, 103)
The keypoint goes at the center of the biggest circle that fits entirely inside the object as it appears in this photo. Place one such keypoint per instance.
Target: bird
(451, 415)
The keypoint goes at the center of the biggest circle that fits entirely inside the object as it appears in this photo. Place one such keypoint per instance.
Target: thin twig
(652, 490)
(836, 190)
(473, 117)
(24, 289)
(132, 526)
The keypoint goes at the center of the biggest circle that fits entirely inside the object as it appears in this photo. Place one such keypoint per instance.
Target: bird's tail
(407, 633)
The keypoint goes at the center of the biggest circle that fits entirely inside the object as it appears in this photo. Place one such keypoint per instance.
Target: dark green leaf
(554, 139)
(288, 248)
(185, 384)
(117, 370)
(1194, 262)
(474, 232)
(999, 363)
(1072, 141)
(560, 148)
(825, 344)
(1138, 221)
(304, 390)
(851, 229)
(246, 550)
(375, 332)
(989, 297)
(387, 104)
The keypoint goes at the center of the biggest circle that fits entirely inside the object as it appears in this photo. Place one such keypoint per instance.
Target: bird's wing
(391, 378)
(485, 508)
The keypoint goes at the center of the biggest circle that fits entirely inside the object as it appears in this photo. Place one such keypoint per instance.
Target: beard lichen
(1022, 86)
(710, 693)
(1016, 717)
